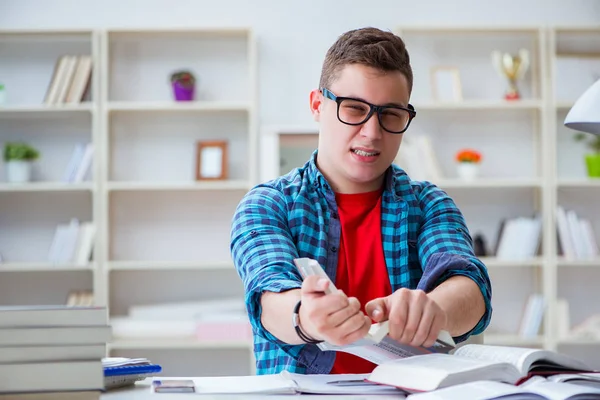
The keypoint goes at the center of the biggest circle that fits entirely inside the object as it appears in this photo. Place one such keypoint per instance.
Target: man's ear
(316, 103)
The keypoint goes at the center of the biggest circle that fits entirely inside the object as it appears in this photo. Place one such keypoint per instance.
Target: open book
(491, 390)
(376, 347)
(286, 383)
(474, 362)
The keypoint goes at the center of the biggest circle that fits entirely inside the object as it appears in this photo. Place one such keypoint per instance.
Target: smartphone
(173, 386)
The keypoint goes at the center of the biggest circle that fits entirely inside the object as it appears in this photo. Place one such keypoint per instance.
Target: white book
(51, 335)
(52, 315)
(26, 354)
(61, 68)
(52, 376)
(57, 243)
(490, 390)
(69, 242)
(85, 243)
(589, 237)
(66, 79)
(472, 362)
(576, 235)
(85, 164)
(286, 383)
(80, 79)
(74, 161)
(564, 234)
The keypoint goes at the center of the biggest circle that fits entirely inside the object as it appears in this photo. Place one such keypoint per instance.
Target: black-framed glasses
(351, 111)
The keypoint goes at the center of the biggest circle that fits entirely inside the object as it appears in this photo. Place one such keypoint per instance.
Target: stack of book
(53, 351)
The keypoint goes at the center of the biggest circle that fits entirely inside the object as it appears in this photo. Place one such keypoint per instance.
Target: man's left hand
(414, 318)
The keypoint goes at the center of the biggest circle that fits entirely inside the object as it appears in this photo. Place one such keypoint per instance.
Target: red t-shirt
(361, 270)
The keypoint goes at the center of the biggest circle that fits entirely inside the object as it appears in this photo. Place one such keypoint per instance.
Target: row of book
(576, 237)
(519, 238)
(73, 243)
(70, 80)
(53, 351)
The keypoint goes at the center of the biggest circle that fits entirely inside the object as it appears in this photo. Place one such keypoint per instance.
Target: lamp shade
(585, 114)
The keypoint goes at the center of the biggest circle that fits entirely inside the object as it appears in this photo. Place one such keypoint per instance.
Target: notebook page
(513, 355)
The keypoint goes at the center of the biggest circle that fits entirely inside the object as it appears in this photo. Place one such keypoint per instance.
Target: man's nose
(371, 128)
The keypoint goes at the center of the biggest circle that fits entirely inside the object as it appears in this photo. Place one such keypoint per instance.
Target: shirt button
(334, 249)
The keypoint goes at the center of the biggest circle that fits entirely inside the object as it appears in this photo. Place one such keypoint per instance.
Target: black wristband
(295, 320)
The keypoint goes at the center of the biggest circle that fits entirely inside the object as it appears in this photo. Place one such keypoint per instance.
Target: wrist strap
(295, 321)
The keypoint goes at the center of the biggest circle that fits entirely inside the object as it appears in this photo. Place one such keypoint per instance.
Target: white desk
(142, 391)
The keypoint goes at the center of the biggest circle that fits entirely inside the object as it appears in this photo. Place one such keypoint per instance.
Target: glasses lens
(394, 119)
(353, 111)
(356, 112)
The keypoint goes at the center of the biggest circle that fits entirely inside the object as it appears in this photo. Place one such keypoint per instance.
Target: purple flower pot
(182, 93)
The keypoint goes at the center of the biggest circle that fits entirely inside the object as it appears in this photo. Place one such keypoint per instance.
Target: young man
(398, 249)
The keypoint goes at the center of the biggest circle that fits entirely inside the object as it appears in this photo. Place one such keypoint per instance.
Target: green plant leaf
(20, 151)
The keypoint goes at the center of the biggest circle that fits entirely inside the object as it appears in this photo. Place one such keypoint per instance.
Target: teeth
(365, 153)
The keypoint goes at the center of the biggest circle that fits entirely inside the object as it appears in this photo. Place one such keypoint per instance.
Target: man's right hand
(334, 317)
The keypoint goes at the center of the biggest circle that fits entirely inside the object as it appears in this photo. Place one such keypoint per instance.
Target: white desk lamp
(585, 114)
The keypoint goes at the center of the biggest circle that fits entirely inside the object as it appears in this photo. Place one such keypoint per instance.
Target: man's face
(355, 157)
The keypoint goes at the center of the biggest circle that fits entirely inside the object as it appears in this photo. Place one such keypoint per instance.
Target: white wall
(293, 36)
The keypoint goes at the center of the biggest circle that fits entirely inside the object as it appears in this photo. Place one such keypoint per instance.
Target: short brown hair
(367, 46)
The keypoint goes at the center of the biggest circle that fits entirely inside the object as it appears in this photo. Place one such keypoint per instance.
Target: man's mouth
(365, 153)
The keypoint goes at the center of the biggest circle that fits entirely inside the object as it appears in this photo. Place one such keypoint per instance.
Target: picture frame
(211, 160)
(446, 84)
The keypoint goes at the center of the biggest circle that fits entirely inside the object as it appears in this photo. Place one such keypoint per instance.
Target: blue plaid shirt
(425, 241)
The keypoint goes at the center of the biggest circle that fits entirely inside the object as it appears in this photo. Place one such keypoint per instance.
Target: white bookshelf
(163, 229)
(31, 211)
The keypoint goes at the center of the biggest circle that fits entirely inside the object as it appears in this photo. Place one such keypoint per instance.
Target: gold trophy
(513, 67)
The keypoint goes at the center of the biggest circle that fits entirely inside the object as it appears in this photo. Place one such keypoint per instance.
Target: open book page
(489, 390)
(526, 360)
(478, 390)
(434, 371)
(352, 384)
(258, 384)
(560, 391)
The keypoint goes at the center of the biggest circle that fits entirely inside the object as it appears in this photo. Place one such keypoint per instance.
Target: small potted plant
(468, 163)
(184, 85)
(592, 159)
(18, 158)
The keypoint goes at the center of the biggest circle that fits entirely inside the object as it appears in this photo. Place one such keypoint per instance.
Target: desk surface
(141, 391)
